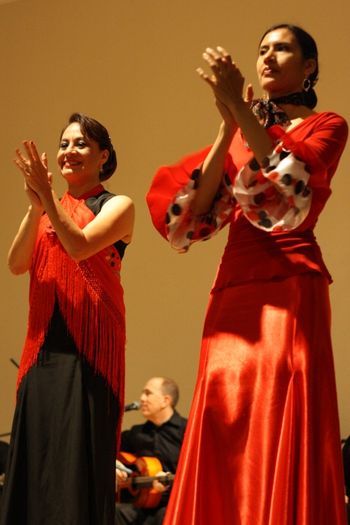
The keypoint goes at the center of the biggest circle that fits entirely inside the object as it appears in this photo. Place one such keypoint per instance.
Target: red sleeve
(167, 182)
(319, 143)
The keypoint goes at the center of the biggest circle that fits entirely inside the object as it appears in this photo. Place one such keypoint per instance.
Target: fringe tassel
(90, 299)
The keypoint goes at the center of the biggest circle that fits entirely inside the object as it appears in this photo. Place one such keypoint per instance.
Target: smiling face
(281, 67)
(80, 158)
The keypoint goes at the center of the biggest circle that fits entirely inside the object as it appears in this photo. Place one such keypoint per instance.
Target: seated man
(159, 437)
(346, 465)
(4, 447)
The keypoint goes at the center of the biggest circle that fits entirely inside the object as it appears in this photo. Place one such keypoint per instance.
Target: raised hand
(226, 80)
(35, 171)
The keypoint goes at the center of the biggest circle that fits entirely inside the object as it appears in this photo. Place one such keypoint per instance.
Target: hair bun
(310, 98)
(109, 166)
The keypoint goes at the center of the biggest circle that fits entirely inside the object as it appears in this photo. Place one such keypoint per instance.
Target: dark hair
(170, 388)
(309, 50)
(93, 130)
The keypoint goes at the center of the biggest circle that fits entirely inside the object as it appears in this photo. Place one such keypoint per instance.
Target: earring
(307, 84)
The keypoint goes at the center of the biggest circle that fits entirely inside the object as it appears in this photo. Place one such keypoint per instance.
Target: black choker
(268, 112)
(297, 99)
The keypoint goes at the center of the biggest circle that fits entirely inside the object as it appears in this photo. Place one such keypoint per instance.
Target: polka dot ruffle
(184, 228)
(276, 197)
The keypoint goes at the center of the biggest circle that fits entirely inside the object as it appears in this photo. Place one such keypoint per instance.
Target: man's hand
(157, 485)
(120, 474)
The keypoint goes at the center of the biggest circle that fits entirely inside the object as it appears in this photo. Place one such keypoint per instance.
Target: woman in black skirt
(71, 377)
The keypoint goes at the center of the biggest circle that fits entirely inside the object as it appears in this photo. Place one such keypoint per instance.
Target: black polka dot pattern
(276, 197)
(299, 187)
(183, 228)
(284, 153)
(195, 177)
(287, 179)
(264, 220)
(113, 259)
(176, 209)
(254, 165)
(260, 198)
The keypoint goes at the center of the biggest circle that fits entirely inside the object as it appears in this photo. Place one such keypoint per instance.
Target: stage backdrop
(131, 64)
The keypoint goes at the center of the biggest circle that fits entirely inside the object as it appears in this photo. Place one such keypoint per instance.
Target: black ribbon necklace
(268, 112)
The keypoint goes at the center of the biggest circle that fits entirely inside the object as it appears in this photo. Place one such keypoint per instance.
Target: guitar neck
(147, 481)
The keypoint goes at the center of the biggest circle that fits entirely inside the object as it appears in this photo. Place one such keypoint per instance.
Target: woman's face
(281, 67)
(79, 158)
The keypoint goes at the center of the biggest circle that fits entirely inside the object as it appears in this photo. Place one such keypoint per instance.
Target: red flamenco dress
(262, 446)
(61, 468)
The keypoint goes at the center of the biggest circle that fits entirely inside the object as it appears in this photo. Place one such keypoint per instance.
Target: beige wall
(131, 64)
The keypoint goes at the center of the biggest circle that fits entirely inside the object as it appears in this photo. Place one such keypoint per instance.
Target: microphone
(135, 405)
(14, 362)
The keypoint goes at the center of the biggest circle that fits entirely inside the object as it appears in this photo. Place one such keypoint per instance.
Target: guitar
(140, 483)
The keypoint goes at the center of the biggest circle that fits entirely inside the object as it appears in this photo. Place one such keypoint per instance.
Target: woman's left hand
(226, 80)
(34, 168)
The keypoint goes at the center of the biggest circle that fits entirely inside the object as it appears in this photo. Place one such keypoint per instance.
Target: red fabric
(165, 185)
(262, 446)
(319, 141)
(89, 295)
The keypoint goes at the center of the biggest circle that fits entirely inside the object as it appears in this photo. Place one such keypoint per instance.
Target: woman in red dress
(262, 445)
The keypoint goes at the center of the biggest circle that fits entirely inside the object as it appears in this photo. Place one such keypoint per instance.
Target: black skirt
(61, 468)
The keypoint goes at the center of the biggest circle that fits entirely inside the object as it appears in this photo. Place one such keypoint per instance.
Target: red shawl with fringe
(89, 295)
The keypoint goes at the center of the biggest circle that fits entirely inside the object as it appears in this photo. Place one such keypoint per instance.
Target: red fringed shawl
(89, 295)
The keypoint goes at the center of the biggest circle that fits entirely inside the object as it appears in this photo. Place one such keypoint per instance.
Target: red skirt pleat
(262, 446)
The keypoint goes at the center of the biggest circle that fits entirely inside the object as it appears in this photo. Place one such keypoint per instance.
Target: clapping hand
(226, 81)
(37, 178)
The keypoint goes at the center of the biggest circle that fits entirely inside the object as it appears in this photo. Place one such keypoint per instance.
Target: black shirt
(95, 204)
(163, 442)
